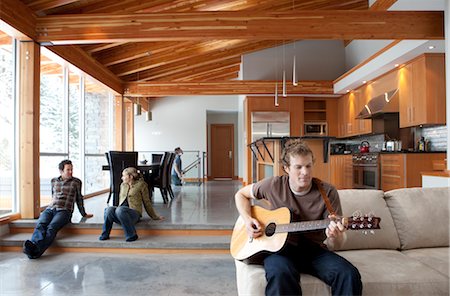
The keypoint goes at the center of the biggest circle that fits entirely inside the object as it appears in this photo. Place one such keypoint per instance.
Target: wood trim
(349, 24)
(260, 87)
(445, 174)
(382, 5)
(119, 123)
(8, 219)
(369, 59)
(129, 126)
(29, 98)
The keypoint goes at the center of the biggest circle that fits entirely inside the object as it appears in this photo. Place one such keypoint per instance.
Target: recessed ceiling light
(348, 90)
(431, 47)
(364, 82)
(396, 65)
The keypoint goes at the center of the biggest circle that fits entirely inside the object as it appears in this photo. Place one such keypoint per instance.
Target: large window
(7, 125)
(76, 116)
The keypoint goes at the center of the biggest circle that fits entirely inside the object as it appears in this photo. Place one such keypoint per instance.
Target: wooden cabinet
(422, 91)
(341, 171)
(401, 170)
(349, 107)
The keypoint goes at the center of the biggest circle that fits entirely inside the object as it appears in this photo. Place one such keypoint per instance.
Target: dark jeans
(49, 223)
(176, 180)
(283, 271)
(125, 216)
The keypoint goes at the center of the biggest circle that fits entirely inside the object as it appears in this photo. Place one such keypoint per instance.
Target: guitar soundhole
(270, 229)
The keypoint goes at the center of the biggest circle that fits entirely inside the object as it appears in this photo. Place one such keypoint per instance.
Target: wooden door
(222, 151)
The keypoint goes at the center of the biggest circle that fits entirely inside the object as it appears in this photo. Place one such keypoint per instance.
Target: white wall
(360, 50)
(180, 121)
(315, 60)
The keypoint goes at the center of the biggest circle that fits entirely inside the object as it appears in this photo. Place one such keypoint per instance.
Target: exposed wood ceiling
(177, 58)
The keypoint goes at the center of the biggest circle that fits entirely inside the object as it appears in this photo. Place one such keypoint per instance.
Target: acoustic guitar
(276, 225)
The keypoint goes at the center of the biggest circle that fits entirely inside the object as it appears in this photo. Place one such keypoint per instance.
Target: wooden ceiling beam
(238, 87)
(162, 72)
(19, 17)
(194, 54)
(321, 24)
(83, 61)
(231, 71)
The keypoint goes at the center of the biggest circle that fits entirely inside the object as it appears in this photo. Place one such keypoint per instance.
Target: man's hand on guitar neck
(335, 233)
(253, 227)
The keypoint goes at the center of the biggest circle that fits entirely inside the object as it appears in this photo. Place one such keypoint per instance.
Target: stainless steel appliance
(338, 148)
(366, 170)
(316, 128)
(270, 124)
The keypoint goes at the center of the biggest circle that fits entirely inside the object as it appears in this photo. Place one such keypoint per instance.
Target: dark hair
(295, 147)
(178, 149)
(63, 163)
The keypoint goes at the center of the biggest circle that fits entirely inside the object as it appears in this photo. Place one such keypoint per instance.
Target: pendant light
(284, 72)
(137, 108)
(294, 71)
(276, 94)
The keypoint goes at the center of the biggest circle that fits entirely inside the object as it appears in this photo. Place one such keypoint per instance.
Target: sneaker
(103, 237)
(132, 239)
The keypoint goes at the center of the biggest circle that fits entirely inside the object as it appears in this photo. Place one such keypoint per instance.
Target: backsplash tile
(437, 135)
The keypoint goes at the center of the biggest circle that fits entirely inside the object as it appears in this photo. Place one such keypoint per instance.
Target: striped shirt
(65, 193)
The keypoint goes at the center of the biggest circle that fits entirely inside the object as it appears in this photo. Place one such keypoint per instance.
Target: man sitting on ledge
(306, 252)
(66, 190)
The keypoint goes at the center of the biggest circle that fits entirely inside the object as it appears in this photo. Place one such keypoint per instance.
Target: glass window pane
(7, 134)
(52, 120)
(95, 179)
(96, 110)
(48, 171)
(74, 119)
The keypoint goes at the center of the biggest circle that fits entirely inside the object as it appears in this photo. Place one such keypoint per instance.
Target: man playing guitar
(304, 252)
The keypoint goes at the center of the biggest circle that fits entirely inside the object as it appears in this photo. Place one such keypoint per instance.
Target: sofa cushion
(383, 272)
(251, 281)
(389, 272)
(421, 216)
(436, 258)
(367, 201)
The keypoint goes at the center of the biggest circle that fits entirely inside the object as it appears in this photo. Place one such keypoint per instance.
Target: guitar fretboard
(303, 226)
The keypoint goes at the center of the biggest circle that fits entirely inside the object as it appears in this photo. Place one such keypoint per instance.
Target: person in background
(304, 252)
(66, 190)
(177, 171)
(133, 194)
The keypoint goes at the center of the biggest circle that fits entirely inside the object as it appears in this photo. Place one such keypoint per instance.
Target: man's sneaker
(30, 249)
(132, 239)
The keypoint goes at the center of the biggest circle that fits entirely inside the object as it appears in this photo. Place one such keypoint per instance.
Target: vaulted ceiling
(188, 41)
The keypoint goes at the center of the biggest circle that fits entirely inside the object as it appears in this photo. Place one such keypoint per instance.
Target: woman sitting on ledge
(133, 193)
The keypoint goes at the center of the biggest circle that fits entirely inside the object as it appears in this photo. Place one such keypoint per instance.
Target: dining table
(148, 170)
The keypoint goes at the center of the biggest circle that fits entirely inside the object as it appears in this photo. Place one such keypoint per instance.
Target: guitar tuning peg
(356, 215)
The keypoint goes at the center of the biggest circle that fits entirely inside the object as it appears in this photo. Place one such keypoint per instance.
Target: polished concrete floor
(135, 274)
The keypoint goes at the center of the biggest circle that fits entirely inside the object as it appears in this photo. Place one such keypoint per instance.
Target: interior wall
(360, 50)
(179, 121)
(315, 60)
(225, 118)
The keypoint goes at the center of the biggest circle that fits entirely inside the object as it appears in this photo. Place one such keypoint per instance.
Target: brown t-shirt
(310, 206)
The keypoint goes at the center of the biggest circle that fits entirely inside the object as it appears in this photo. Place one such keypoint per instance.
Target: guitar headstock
(359, 221)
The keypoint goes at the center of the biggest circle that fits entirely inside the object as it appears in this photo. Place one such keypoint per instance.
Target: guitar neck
(303, 226)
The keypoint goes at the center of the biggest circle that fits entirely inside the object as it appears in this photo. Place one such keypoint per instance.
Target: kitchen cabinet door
(341, 171)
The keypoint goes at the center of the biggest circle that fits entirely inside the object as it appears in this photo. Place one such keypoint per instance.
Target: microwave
(315, 129)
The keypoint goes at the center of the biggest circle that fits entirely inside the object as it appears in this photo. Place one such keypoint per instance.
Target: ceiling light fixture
(396, 65)
(137, 108)
(284, 71)
(364, 82)
(431, 47)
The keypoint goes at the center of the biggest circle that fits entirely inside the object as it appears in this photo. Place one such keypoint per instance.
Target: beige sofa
(409, 255)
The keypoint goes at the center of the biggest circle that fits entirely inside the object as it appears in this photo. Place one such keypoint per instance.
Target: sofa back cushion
(368, 201)
(421, 216)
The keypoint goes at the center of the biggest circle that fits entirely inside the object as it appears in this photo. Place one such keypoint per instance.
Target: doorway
(222, 151)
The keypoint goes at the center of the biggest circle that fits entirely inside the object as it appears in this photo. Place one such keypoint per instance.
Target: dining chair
(160, 180)
(169, 174)
(119, 160)
(156, 157)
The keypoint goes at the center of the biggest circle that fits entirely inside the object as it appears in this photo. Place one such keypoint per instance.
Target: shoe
(132, 239)
(103, 237)
(30, 249)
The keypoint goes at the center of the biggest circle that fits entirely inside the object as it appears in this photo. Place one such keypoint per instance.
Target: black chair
(156, 158)
(160, 180)
(169, 174)
(118, 161)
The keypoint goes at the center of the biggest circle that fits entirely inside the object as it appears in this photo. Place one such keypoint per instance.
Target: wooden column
(29, 86)
(119, 123)
(129, 126)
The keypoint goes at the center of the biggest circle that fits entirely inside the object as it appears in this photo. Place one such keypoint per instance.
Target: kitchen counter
(415, 152)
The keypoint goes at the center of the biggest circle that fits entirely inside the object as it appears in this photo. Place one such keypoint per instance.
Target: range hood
(377, 106)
